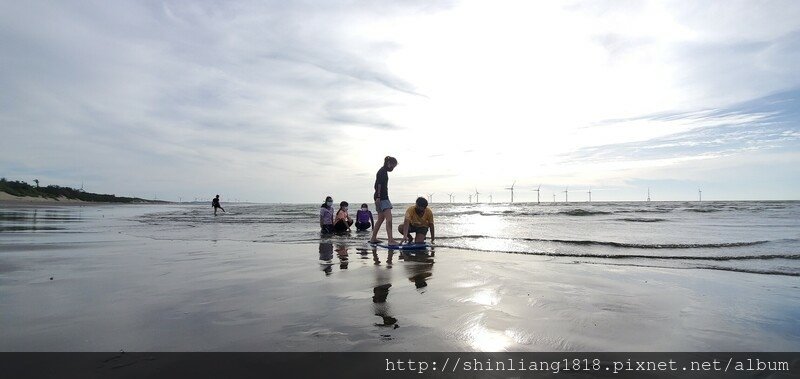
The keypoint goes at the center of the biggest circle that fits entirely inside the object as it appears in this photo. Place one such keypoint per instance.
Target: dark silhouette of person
(380, 292)
(215, 205)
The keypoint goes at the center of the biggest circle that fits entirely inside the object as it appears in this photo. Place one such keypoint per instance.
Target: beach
(98, 278)
(7, 200)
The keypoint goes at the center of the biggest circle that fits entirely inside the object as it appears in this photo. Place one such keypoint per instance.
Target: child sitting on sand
(364, 218)
(326, 216)
(343, 220)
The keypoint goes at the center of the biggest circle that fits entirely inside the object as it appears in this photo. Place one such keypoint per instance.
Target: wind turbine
(430, 197)
(451, 197)
(699, 195)
(512, 190)
(537, 193)
(477, 198)
(554, 198)
(490, 198)
(470, 199)
(566, 195)
(648, 194)
(590, 194)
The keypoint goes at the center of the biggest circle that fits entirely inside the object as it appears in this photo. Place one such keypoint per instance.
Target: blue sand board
(416, 246)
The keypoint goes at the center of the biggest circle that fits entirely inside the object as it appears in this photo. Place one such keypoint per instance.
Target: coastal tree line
(23, 189)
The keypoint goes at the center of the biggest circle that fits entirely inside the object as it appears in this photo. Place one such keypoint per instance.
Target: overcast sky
(292, 101)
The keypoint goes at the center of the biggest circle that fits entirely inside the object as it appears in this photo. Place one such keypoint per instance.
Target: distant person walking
(215, 205)
(326, 216)
(382, 203)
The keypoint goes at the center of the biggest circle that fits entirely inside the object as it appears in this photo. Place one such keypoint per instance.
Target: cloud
(767, 123)
(278, 101)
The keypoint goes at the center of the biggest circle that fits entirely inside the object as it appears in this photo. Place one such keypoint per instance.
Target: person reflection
(380, 292)
(326, 257)
(377, 259)
(421, 270)
(363, 252)
(341, 251)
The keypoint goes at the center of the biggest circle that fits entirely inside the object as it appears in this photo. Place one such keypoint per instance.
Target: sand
(145, 296)
(8, 199)
(111, 291)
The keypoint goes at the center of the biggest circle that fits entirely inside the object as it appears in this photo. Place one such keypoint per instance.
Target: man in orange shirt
(419, 218)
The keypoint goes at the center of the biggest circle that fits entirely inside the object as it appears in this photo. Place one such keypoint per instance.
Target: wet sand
(154, 296)
(111, 291)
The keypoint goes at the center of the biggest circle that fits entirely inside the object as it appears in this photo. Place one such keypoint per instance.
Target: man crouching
(418, 219)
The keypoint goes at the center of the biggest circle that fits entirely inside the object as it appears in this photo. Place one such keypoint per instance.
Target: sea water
(761, 237)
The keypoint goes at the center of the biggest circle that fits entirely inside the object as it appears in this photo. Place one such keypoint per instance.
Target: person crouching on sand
(364, 218)
(215, 205)
(419, 218)
(326, 216)
(382, 203)
(343, 220)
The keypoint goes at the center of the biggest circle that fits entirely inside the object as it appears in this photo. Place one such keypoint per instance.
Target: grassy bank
(23, 189)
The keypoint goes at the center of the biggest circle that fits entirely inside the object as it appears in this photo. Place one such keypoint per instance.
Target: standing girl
(382, 203)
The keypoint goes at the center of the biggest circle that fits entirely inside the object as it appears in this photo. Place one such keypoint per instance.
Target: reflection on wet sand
(417, 266)
(35, 220)
(380, 291)
(341, 251)
(326, 256)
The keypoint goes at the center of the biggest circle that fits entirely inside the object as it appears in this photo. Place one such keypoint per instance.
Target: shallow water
(754, 237)
(261, 278)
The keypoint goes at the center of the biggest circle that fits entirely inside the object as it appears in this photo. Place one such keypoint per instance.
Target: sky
(275, 101)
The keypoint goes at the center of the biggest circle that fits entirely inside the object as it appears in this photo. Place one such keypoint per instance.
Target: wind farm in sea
(558, 195)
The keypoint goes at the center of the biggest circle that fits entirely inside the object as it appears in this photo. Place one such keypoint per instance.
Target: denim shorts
(382, 205)
(413, 229)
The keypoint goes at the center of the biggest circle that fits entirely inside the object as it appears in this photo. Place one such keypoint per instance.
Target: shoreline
(99, 279)
(8, 200)
(243, 296)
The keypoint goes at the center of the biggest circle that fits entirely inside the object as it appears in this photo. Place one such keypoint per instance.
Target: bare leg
(215, 211)
(377, 228)
(388, 217)
(400, 230)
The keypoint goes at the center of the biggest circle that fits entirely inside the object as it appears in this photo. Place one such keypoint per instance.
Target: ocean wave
(571, 212)
(640, 219)
(619, 244)
(702, 267)
(583, 212)
(459, 213)
(636, 256)
(702, 210)
(655, 210)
